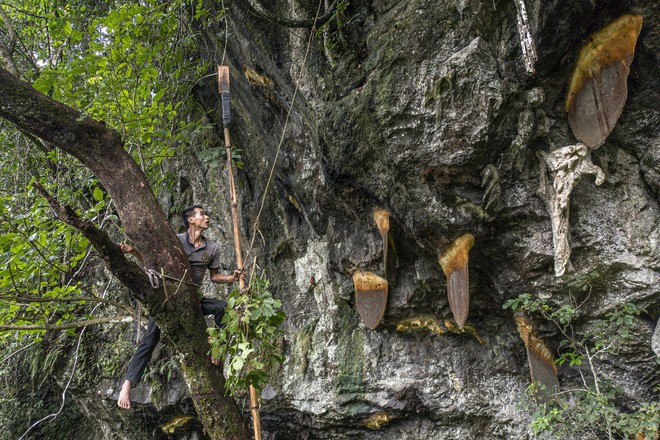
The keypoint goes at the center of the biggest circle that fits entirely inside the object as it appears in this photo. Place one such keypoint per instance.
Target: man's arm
(217, 277)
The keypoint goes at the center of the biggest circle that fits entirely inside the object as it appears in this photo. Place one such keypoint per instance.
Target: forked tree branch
(102, 242)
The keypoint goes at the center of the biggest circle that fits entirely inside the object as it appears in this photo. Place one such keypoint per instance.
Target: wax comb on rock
(541, 362)
(454, 264)
(599, 88)
(382, 219)
(370, 297)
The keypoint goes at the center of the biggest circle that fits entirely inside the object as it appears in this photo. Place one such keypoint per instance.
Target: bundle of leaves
(249, 338)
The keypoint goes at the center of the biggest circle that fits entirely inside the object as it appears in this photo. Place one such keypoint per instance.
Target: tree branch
(7, 50)
(79, 324)
(101, 149)
(36, 299)
(23, 11)
(260, 11)
(129, 272)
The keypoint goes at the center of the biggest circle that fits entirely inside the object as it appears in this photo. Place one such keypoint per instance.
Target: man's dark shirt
(207, 256)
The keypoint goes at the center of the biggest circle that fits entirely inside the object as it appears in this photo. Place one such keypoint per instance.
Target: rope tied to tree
(156, 278)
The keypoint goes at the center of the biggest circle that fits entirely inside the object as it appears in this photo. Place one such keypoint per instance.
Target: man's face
(200, 220)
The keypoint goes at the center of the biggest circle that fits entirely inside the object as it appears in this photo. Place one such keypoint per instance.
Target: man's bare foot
(215, 361)
(124, 400)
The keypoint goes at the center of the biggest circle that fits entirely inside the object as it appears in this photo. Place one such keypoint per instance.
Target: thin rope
(279, 146)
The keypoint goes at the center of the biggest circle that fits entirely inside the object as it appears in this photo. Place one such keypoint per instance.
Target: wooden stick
(223, 86)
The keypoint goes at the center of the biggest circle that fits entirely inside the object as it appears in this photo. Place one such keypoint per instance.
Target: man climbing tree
(179, 316)
(130, 76)
(202, 254)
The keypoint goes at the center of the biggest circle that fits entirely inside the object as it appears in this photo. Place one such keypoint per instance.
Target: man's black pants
(142, 354)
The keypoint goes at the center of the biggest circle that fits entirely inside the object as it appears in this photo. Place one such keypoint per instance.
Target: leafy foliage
(214, 157)
(133, 66)
(249, 338)
(125, 63)
(40, 260)
(132, 75)
(594, 416)
(593, 409)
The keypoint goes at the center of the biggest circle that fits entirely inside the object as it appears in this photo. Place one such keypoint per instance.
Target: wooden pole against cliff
(223, 86)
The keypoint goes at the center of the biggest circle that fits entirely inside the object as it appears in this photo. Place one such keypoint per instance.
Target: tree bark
(101, 150)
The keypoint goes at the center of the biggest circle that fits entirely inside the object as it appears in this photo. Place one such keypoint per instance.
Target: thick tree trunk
(179, 318)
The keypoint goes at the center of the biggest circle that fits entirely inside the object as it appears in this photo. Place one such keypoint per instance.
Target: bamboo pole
(223, 86)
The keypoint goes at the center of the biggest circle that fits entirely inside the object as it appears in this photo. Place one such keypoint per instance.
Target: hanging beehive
(598, 88)
(454, 262)
(370, 297)
(542, 366)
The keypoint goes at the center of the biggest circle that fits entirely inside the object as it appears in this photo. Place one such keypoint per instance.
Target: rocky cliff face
(426, 109)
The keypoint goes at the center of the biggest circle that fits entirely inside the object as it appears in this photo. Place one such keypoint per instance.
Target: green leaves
(45, 82)
(212, 157)
(524, 301)
(98, 194)
(41, 259)
(593, 415)
(132, 66)
(249, 338)
(644, 420)
(572, 358)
